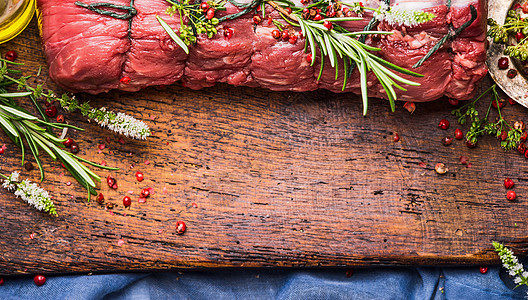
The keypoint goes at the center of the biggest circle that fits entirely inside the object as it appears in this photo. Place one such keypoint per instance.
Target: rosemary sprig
(23, 128)
(119, 123)
(339, 44)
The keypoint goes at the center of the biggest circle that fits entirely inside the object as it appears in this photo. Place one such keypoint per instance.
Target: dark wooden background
(279, 179)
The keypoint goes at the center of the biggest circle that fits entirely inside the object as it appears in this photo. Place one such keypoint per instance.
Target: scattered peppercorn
(443, 124)
(285, 35)
(125, 80)
(503, 63)
(1, 281)
(410, 106)
(180, 227)
(453, 102)
(210, 13)
(519, 125)
(441, 168)
(228, 33)
(459, 134)
(276, 34)
(74, 148)
(508, 183)
(511, 195)
(318, 17)
(349, 273)
(204, 6)
(11, 55)
(511, 73)
(470, 144)
(504, 135)
(328, 24)
(60, 119)
(511, 101)
(68, 142)
(500, 103)
(447, 141)
(28, 166)
(483, 270)
(145, 193)
(100, 198)
(51, 111)
(257, 19)
(396, 137)
(293, 39)
(521, 148)
(309, 57)
(139, 176)
(127, 201)
(39, 280)
(109, 205)
(112, 182)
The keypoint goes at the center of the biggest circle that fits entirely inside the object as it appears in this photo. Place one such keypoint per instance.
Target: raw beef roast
(90, 52)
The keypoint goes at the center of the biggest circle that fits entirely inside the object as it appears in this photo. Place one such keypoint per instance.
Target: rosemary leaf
(173, 35)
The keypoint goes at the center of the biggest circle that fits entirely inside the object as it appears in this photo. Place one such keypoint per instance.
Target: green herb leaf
(173, 35)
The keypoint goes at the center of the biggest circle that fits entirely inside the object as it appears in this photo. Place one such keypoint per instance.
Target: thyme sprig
(25, 129)
(480, 126)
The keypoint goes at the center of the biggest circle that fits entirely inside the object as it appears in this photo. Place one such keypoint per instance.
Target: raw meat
(89, 52)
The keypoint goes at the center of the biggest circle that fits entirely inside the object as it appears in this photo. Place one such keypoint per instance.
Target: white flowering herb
(398, 16)
(120, 123)
(29, 192)
(511, 263)
(24, 128)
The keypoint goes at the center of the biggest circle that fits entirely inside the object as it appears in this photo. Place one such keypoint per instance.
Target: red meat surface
(89, 52)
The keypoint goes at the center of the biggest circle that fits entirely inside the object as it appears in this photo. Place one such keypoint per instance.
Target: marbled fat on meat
(89, 52)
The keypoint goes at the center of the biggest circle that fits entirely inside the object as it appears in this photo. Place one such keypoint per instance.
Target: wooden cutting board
(278, 179)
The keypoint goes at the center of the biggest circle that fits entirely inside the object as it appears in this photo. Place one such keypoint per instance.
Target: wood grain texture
(279, 179)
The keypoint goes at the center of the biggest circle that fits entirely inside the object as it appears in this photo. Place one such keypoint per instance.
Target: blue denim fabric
(373, 283)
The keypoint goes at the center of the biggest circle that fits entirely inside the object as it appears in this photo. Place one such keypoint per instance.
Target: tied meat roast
(89, 52)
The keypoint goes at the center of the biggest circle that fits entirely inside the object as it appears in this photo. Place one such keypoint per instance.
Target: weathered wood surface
(279, 179)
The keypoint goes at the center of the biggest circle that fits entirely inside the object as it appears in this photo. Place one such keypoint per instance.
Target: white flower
(511, 272)
(517, 280)
(524, 274)
(10, 183)
(30, 192)
(398, 16)
(124, 124)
